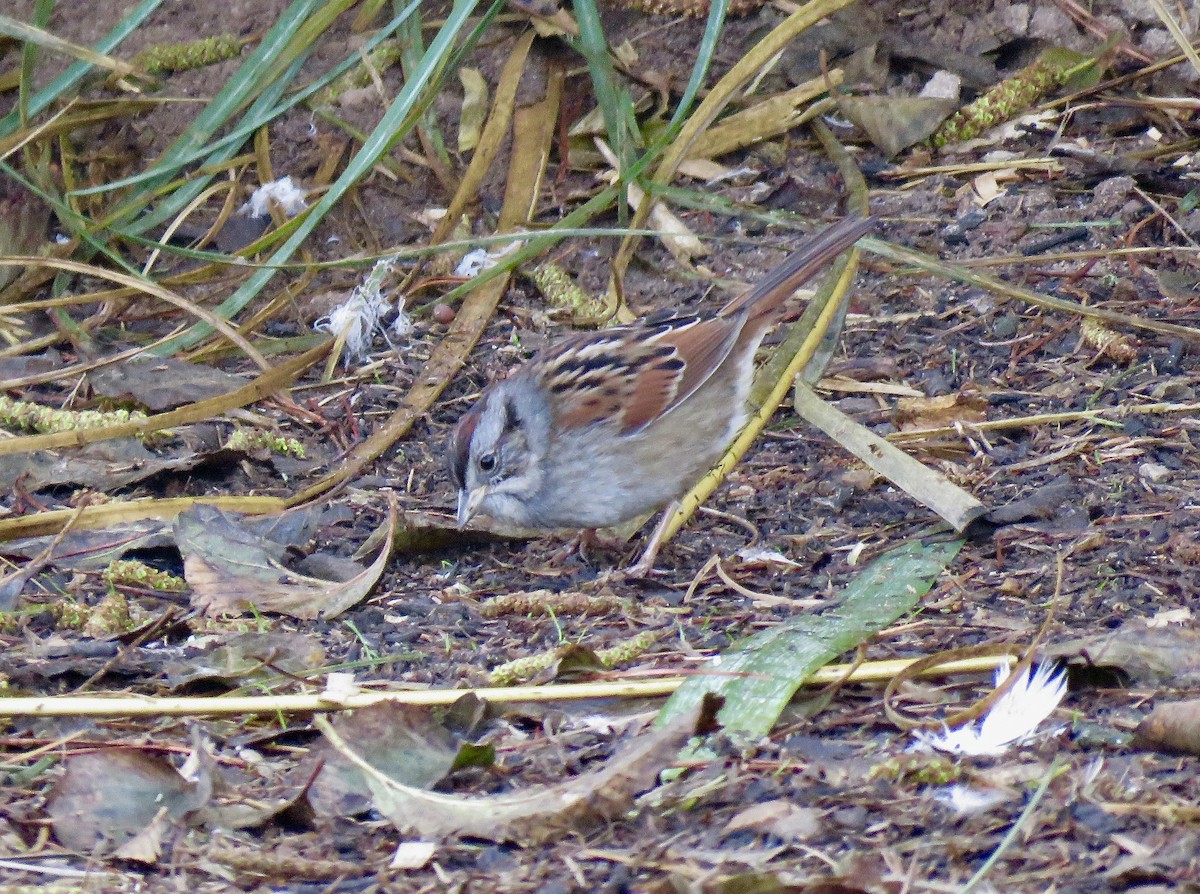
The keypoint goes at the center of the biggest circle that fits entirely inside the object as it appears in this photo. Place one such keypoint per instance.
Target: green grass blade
(41, 17)
(78, 70)
(396, 123)
(760, 677)
(410, 55)
(258, 115)
(614, 100)
(704, 56)
(258, 74)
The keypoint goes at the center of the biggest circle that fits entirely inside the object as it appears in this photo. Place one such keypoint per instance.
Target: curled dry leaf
(764, 120)
(474, 108)
(940, 411)
(1142, 654)
(109, 800)
(146, 845)
(402, 742)
(423, 532)
(1174, 726)
(540, 813)
(231, 570)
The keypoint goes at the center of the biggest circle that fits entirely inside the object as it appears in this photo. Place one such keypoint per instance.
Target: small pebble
(1005, 326)
(1153, 473)
(443, 313)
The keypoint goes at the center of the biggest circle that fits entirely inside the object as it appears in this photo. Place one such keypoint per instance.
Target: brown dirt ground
(1119, 505)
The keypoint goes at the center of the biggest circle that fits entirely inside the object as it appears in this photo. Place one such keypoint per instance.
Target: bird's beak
(468, 504)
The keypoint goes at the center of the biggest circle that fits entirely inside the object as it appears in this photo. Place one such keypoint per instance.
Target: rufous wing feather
(638, 374)
(681, 359)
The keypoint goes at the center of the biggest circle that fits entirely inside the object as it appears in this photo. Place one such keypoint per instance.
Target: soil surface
(1092, 542)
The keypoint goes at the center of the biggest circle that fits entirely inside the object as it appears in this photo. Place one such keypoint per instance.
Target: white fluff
(289, 196)
(361, 315)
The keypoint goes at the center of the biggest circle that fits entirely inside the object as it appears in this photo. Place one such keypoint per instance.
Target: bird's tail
(768, 294)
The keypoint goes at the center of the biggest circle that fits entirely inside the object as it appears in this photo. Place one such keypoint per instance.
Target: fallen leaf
(1145, 655)
(237, 659)
(161, 383)
(422, 532)
(474, 108)
(759, 677)
(896, 122)
(404, 743)
(780, 818)
(541, 813)
(106, 465)
(89, 550)
(146, 845)
(106, 799)
(1043, 502)
(941, 411)
(110, 465)
(1167, 617)
(231, 570)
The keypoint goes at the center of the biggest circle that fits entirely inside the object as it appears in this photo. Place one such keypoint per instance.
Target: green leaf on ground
(759, 678)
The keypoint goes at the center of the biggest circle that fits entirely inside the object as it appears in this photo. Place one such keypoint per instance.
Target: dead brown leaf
(236, 659)
(536, 815)
(404, 743)
(896, 122)
(108, 800)
(231, 570)
(780, 818)
(941, 411)
(1174, 726)
(162, 383)
(1146, 655)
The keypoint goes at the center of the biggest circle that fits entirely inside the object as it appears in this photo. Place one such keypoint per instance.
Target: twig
(150, 706)
(1007, 290)
(1097, 415)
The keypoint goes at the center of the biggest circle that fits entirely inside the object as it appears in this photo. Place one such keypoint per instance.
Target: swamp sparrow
(605, 426)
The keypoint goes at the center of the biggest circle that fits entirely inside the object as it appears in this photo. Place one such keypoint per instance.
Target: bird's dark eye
(487, 462)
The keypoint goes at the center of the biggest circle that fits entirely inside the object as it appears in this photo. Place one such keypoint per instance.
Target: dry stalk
(150, 706)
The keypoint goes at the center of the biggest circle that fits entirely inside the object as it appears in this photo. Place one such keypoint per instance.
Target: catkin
(1002, 103)
(35, 417)
(168, 57)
